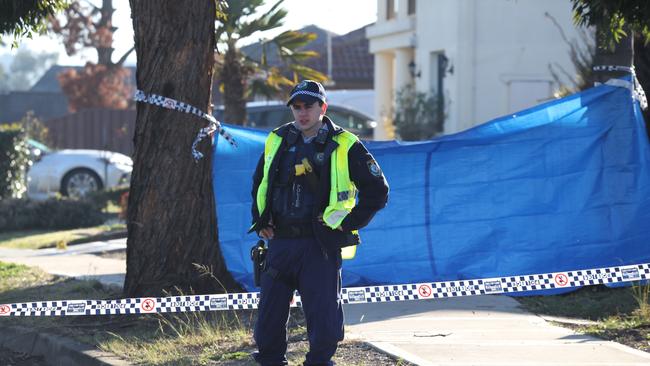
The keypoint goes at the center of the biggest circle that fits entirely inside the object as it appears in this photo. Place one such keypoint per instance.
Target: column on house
(383, 94)
(403, 56)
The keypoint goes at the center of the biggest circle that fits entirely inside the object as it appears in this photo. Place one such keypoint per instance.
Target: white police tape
(173, 104)
(350, 295)
(634, 86)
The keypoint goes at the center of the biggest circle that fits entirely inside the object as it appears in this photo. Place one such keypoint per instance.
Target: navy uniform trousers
(318, 280)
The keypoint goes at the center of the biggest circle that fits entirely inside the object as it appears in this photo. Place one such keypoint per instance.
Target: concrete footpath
(77, 261)
(477, 330)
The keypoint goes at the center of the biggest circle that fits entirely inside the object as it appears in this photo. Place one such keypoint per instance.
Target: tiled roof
(352, 61)
(49, 82)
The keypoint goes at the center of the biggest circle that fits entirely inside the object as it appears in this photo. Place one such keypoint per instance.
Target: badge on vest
(320, 158)
(374, 168)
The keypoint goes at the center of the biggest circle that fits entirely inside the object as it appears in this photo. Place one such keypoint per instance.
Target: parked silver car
(271, 114)
(74, 173)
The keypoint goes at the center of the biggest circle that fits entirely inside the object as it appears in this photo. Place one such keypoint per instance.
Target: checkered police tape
(634, 86)
(350, 295)
(173, 104)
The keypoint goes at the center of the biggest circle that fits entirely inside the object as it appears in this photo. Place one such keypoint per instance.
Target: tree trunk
(105, 51)
(233, 77)
(621, 55)
(172, 218)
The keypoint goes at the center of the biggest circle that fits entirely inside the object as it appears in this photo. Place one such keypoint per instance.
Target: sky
(338, 16)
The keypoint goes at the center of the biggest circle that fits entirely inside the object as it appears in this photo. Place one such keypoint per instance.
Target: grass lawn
(620, 314)
(37, 239)
(209, 338)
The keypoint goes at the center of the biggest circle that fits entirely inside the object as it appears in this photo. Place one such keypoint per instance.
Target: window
(353, 123)
(411, 7)
(438, 63)
(391, 9)
(435, 78)
(269, 117)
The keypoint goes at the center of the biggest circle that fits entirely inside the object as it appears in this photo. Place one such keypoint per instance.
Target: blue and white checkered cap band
(173, 104)
(349, 295)
(311, 94)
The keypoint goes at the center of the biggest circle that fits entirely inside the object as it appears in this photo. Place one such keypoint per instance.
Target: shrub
(102, 197)
(14, 161)
(21, 214)
(418, 116)
(124, 205)
(34, 127)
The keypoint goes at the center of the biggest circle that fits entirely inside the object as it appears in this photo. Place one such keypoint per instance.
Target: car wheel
(78, 183)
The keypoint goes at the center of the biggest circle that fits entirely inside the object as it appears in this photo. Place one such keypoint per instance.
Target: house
(485, 58)
(349, 64)
(45, 98)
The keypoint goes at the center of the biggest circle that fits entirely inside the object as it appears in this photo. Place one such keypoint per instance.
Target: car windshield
(39, 146)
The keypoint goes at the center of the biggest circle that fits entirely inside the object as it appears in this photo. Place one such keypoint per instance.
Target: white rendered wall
(531, 42)
(498, 48)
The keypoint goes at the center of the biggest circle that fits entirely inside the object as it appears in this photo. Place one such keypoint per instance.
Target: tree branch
(93, 5)
(123, 58)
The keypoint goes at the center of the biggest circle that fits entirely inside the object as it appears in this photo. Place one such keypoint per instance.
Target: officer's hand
(266, 233)
(320, 219)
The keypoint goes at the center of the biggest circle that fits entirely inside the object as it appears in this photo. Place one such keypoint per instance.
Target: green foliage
(243, 19)
(25, 69)
(23, 18)
(14, 161)
(612, 16)
(34, 128)
(418, 116)
(641, 293)
(102, 197)
(8, 270)
(21, 214)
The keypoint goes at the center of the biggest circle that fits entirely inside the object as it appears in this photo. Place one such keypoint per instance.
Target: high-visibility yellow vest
(342, 197)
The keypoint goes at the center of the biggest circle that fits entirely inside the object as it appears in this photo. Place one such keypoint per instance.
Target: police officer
(314, 187)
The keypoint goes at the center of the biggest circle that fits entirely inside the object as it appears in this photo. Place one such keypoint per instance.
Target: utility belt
(292, 231)
(259, 253)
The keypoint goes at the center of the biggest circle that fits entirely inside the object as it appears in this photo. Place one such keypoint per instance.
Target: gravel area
(348, 353)
(11, 358)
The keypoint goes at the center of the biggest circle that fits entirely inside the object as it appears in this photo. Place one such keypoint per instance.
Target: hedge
(53, 214)
(14, 161)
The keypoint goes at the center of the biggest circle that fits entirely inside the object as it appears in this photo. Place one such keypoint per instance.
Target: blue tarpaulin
(561, 186)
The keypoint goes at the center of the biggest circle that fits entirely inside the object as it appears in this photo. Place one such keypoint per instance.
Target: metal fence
(99, 129)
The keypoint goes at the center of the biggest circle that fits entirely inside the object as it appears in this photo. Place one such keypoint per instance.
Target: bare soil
(11, 358)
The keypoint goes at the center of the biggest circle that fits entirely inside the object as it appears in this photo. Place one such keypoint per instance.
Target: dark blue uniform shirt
(293, 198)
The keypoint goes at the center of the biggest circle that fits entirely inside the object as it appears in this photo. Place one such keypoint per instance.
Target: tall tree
(102, 84)
(240, 76)
(23, 18)
(172, 218)
(616, 22)
(25, 69)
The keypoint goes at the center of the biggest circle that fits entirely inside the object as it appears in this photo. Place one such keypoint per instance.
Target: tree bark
(105, 52)
(171, 219)
(233, 77)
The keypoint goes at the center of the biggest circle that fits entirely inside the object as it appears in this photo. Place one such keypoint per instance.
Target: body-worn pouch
(258, 256)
